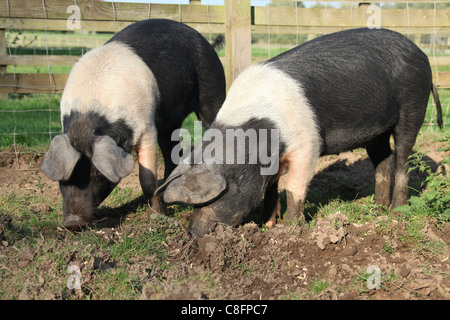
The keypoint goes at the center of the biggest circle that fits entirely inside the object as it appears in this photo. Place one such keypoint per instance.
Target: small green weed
(435, 200)
(318, 285)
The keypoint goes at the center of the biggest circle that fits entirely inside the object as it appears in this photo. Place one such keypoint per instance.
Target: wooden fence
(236, 19)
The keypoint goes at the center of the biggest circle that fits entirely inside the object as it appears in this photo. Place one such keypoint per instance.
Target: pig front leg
(147, 158)
(272, 206)
(167, 145)
(301, 169)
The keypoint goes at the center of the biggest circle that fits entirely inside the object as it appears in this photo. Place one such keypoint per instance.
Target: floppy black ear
(176, 173)
(60, 159)
(110, 159)
(198, 185)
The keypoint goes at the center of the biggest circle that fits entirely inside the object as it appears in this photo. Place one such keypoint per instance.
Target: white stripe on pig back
(115, 82)
(265, 92)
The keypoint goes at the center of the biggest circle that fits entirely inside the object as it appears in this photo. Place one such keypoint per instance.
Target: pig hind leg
(403, 148)
(380, 154)
(405, 134)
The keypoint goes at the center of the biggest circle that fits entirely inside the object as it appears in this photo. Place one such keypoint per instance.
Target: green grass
(141, 245)
(39, 69)
(261, 52)
(359, 212)
(30, 118)
(43, 253)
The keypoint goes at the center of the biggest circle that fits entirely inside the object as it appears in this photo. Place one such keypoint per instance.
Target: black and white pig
(338, 92)
(130, 93)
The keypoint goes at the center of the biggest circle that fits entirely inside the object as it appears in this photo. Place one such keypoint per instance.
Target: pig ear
(176, 173)
(110, 159)
(197, 186)
(60, 159)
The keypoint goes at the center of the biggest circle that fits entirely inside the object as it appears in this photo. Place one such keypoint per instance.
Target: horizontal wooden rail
(439, 61)
(330, 29)
(301, 28)
(111, 11)
(356, 17)
(116, 26)
(32, 82)
(441, 79)
(377, 1)
(38, 60)
(90, 25)
(54, 83)
(63, 60)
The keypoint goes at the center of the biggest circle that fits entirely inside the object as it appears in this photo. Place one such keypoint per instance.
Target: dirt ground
(329, 259)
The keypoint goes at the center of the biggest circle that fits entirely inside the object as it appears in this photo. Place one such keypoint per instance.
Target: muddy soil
(330, 258)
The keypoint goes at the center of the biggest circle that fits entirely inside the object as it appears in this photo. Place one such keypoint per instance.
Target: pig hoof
(156, 205)
(292, 221)
(270, 223)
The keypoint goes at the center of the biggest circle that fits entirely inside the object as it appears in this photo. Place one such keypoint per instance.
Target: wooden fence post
(238, 38)
(3, 96)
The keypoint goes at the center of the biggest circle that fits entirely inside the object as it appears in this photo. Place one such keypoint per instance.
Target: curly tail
(438, 106)
(218, 42)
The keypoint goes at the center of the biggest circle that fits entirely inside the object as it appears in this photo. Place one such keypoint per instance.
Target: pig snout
(76, 216)
(203, 221)
(74, 223)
